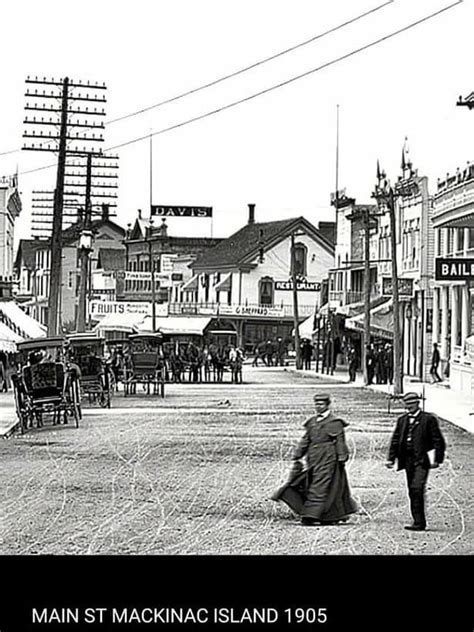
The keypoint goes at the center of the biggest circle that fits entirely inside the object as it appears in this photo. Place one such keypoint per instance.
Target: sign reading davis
(304, 286)
(454, 269)
(405, 287)
(182, 211)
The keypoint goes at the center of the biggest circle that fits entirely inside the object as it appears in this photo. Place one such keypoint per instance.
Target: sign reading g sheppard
(454, 269)
(181, 211)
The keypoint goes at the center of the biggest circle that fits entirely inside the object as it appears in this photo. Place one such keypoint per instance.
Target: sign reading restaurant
(304, 286)
(454, 269)
(181, 211)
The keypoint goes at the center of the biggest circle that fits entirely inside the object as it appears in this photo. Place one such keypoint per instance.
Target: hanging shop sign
(454, 269)
(182, 211)
(303, 286)
(405, 287)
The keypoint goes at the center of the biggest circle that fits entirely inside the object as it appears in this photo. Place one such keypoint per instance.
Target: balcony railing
(250, 310)
(347, 297)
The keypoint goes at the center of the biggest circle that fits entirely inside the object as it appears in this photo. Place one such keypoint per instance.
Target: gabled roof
(73, 232)
(111, 259)
(26, 252)
(243, 246)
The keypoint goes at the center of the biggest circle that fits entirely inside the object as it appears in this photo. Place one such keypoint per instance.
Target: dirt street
(192, 474)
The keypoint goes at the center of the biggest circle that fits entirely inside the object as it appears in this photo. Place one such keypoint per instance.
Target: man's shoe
(415, 527)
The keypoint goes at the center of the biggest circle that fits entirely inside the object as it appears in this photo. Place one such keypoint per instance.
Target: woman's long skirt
(321, 493)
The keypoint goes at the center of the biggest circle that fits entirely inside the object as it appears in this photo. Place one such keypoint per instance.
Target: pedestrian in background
(416, 434)
(352, 363)
(320, 494)
(435, 360)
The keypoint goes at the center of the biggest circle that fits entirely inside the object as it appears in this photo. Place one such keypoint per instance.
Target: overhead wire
(238, 72)
(276, 86)
(254, 65)
(288, 81)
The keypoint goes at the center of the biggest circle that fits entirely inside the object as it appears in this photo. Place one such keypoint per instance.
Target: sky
(277, 150)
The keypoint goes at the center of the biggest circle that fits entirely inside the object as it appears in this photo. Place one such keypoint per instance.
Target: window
(460, 239)
(470, 244)
(70, 279)
(300, 254)
(266, 291)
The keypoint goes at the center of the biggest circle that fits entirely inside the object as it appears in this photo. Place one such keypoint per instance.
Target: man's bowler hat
(411, 398)
(322, 397)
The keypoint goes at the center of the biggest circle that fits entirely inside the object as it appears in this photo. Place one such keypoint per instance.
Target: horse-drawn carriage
(144, 364)
(86, 351)
(45, 384)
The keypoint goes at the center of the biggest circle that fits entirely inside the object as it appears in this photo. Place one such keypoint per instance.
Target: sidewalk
(439, 398)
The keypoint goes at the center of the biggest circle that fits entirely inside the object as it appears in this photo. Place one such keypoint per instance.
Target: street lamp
(148, 239)
(85, 248)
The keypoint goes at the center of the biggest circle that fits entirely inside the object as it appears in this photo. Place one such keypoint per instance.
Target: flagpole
(151, 170)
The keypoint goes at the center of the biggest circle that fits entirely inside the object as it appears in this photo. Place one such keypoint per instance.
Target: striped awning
(225, 284)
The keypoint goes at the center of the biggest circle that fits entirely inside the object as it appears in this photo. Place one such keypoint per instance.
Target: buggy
(144, 364)
(86, 351)
(45, 384)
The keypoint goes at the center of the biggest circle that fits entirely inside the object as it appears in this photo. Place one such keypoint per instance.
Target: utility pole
(85, 248)
(104, 177)
(294, 281)
(152, 275)
(65, 144)
(386, 196)
(366, 342)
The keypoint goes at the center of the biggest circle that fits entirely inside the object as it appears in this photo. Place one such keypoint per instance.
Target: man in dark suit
(416, 433)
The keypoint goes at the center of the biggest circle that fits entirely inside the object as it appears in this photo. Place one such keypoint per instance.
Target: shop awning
(306, 328)
(125, 323)
(225, 284)
(8, 339)
(176, 325)
(18, 321)
(381, 321)
(191, 285)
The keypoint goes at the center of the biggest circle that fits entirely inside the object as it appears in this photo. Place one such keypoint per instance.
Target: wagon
(45, 385)
(86, 351)
(144, 365)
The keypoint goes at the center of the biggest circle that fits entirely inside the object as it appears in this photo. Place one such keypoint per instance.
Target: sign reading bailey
(305, 286)
(454, 269)
(182, 211)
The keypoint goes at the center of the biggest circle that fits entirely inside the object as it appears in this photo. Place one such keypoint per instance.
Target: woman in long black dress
(320, 493)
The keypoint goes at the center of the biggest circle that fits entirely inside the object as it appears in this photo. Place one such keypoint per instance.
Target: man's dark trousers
(417, 476)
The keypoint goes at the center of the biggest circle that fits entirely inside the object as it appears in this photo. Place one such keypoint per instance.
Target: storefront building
(453, 221)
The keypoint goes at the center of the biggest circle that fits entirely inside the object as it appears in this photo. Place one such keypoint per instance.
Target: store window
(266, 291)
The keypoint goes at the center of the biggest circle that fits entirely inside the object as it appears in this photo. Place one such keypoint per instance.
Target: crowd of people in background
(187, 362)
(379, 363)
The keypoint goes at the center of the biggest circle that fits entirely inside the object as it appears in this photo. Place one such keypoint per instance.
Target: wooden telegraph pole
(84, 254)
(294, 281)
(71, 114)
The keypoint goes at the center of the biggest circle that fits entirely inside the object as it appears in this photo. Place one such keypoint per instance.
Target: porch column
(465, 314)
(435, 335)
(444, 323)
(454, 318)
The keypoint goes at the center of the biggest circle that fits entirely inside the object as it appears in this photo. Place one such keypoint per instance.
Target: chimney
(163, 228)
(251, 214)
(139, 213)
(105, 212)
